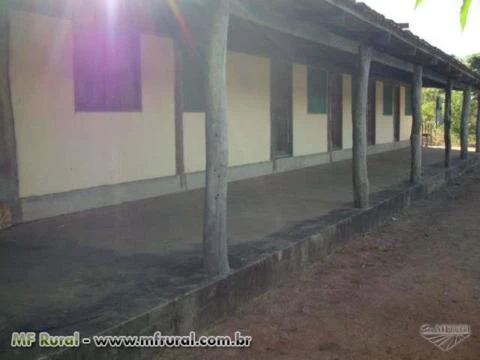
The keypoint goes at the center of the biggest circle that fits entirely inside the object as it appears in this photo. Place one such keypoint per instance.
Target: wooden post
(416, 137)
(448, 124)
(9, 194)
(360, 170)
(215, 233)
(477, 147)
(467, 97)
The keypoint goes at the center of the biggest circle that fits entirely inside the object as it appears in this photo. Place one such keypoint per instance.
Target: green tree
(429, 112)
(463, 11)
(473, 61)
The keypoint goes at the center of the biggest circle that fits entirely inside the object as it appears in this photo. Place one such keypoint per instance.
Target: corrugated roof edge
(364, 10)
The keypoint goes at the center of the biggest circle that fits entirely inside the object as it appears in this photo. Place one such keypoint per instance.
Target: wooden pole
(360, 170)
(477, 147)
(447, 125)
(215, 248)
(467, 97)
(9, 193)
(416, 137)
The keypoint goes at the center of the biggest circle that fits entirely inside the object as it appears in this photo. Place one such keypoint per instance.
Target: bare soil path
(371, 297)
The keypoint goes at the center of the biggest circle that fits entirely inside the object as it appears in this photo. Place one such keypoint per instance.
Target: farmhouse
(101, 106)
(108, 103)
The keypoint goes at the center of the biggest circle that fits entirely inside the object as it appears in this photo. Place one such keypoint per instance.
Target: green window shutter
(317, 91)
(192, 82)
(408, 102)
(387, 99)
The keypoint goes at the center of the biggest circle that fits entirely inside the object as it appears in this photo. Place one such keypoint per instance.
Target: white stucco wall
(194, 142)
(347, 111)
(248, 85)
(384, 123)
(405, 121)
(309, 130)
(60, 150)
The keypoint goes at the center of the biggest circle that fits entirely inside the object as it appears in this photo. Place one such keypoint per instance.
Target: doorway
(281, 109)
(371, 113)
(336, 111)
(396, 113)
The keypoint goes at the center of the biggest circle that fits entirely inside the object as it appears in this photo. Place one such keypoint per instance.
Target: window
(317, 91)
(408, 102)
(107, 68)
(387, 99)
(192, 82)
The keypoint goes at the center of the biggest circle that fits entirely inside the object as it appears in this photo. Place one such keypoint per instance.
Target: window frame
(388, 107)
(134, 50)
(408, 101)
(193, 93)
(320, 105)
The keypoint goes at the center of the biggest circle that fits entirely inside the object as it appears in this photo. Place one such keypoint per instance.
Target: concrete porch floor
(89, 271)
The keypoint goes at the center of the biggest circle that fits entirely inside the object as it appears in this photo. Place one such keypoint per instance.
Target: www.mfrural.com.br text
(157, 340)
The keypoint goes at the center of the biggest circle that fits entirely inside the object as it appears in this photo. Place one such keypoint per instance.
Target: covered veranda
(92, 270)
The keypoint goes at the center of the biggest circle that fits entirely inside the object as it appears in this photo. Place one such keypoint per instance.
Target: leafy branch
(463, 11)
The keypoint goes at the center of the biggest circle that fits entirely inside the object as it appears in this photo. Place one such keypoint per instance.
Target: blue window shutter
(387, 99)
(408, 102)
(317, 89)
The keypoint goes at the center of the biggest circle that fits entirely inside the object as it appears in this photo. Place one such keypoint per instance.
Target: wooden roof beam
(320, 35)
(400, 37)
(276, 21)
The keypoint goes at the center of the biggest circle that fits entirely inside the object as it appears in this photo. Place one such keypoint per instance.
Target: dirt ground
(370, 299)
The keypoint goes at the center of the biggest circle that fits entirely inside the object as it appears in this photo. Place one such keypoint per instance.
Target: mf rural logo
(444, 336)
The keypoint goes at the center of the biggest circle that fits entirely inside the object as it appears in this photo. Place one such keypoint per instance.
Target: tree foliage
(429, 113)
(473, 61)
(463, 11)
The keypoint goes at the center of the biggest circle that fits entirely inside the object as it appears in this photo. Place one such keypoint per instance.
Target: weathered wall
(384, 123)
(248, 82)
(347, 112)
(61, 150)
(405, 121)
(309, 130)
(194, 142)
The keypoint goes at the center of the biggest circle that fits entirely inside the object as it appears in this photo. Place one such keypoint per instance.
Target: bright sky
(436, 21)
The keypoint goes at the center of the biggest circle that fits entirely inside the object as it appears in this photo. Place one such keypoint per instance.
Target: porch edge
(218, 298)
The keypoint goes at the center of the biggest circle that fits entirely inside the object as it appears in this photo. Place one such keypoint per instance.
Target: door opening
(281, 109)
(396, 114)
(371, 113)
(336, 111)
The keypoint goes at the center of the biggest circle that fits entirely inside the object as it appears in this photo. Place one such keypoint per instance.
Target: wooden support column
(9, 194)
(477, 143)
(360, 170)
(467, 97)
(416, 137)
(215, 233)
(447, 126)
